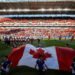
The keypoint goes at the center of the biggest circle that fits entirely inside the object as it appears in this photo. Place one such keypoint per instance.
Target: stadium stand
(37, 22)
(37, 31)
(37, 27)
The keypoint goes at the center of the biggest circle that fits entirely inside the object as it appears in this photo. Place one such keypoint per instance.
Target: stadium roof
(40, 15)
(37, 7)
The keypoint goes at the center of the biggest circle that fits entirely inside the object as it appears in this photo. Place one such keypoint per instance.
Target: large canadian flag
(59, 58)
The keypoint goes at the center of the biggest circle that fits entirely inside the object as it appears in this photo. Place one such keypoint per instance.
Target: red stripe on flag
(65, 57)
(16, 55)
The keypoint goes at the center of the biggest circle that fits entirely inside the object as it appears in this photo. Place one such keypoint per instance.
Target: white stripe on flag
(27, 59)
(52, 62)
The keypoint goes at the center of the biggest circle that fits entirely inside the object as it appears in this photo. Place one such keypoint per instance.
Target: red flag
(59, 58)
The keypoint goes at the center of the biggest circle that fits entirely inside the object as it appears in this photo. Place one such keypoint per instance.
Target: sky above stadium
(31, 0)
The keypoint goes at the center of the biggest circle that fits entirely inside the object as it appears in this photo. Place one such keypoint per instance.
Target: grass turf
(23, 70)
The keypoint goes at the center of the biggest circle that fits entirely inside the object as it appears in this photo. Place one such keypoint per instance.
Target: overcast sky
(33, 0)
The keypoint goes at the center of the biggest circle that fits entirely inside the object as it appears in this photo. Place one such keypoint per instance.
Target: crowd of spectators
(42, 32)
(37, 22)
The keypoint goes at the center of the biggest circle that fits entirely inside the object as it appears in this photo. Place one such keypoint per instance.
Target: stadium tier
(42, 32)
(37, 27)
(36, 22)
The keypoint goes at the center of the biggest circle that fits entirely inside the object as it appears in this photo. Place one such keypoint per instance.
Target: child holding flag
(42, 67)
(5, 66)
(73, 66)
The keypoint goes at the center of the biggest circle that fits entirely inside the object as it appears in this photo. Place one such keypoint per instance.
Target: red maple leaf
(32, 52)
(40, 52)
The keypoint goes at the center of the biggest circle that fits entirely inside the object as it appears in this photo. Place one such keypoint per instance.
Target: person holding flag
(73, 66)
(42, 67)
(5, 66)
